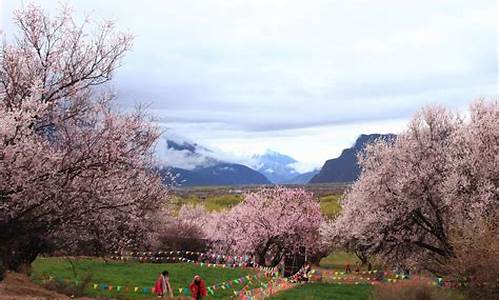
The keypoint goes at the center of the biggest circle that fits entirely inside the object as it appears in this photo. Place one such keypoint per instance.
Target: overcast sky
(304, 78)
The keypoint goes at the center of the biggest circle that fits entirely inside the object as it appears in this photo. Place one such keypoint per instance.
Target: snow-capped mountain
(279, 168)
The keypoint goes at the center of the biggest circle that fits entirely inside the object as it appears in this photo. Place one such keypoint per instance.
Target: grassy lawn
(330, 205)
(134, 274)
(338, 259)
(322, 291)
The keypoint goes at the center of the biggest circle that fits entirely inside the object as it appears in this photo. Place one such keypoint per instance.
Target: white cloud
(300, 77)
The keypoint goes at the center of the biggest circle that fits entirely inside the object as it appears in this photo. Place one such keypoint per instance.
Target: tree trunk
(261, 253)
(277, 257)
(261, 258)
(17, 255)
(361, 256)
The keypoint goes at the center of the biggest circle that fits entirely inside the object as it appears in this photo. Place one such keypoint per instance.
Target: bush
(476, 259)
(182, 232)
(413, 291)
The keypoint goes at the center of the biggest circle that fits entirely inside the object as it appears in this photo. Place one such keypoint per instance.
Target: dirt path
(17, 286)
(273, 287)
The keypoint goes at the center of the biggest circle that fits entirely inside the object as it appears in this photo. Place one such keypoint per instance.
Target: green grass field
(323, 291)
(211, 203)
(141, 275)
(330, 204)
(134, 274)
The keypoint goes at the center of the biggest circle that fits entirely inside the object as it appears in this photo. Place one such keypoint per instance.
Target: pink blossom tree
(267, 224)
(73, 173)
(439, 173)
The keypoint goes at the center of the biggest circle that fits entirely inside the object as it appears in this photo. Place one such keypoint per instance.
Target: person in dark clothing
(348, 268)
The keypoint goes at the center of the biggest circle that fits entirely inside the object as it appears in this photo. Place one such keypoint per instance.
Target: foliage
(133, 274)
(441, 173)
(73, 173)
(323, 291)
(413, 291)
(267, 224)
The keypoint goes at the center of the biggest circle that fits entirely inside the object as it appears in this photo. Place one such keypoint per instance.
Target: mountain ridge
(345, 168)
(221, 174)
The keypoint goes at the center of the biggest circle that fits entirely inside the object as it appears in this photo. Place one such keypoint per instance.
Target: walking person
(348, 268)
(167, 288)
(162, 285)
(198, 288)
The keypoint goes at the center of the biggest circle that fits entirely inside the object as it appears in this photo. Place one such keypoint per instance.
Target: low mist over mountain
(220, 174)
(195, 165)
(184, 154)
(189, 164)
(345, 168)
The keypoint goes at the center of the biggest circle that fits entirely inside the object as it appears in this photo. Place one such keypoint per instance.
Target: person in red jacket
(198, 288)
(159, 285)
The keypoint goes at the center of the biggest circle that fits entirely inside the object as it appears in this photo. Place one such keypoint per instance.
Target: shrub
(476, 259)
(182, 232)
(413, 291)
